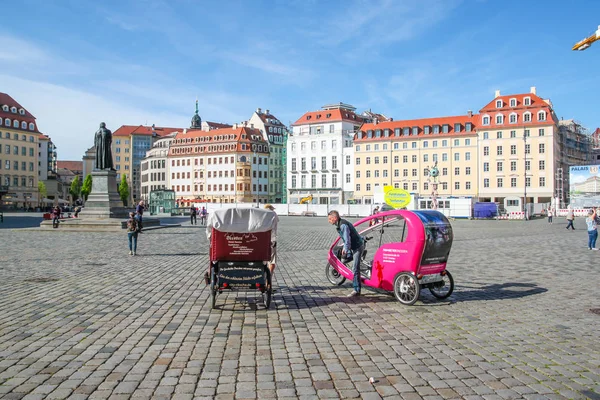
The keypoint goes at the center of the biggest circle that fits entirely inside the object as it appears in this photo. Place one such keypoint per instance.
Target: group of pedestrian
(194, 215)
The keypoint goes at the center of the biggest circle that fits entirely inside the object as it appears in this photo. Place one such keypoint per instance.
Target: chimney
(497, 94)
(532, 90)
(266, 111)
(470, 113)
(258, 110)
(185, 131)
(391, 119)
(375, 121)
(234, 126)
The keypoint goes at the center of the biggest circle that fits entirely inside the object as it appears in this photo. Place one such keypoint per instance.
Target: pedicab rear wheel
(213, 287)
(268, 292)
(333, 275)
(406, 288)
(445, 288)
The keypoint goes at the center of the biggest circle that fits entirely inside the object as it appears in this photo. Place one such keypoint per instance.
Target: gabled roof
(332, 115)
(420, 123)
(269, 119)
(217, 125)
(536, 102)
(6, 99)
(128, 130)
(74, 166)
(199, 141)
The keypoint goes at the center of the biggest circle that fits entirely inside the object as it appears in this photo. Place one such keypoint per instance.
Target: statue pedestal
(104, 201)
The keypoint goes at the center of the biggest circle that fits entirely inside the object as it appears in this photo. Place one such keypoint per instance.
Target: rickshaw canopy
(241, 220)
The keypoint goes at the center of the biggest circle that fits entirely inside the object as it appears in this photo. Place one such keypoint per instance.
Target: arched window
(23, 125)
(513, 118)
(499, 119)
(527, 117)
(5, 108)
(485, 120)
(541, 116)
(513, 102)
(7, 122)
(13, 109)
(15, 123)
(21, 111)
(498, 103)
(31, 126)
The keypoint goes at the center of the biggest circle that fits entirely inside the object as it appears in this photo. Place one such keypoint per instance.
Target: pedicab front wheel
(443, 289)
(333, 275)
(406, 288)
(269, 290)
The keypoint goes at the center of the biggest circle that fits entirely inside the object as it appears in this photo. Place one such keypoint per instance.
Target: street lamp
(525, 173)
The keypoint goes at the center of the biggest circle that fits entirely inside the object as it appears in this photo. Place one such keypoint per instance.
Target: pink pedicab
(405, 252)
(240, 248)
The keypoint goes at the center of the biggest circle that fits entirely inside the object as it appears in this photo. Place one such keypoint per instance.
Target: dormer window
(436, 129)
(405, 131)
(499, 119)
(13, 110)
(456, 127)
(23, 125)
(369, 134)
(5, 108)
(328, 116)
(308, 117)
(485, 120)
(541, 116)
(498, 103)
(513, 102)
(21, 111)
(426, 129)
(512, 118)
(318, 116)
(527, 117)
(415, 131)
(527, 101)
(386, 132)
(397, 132)
(378, 133)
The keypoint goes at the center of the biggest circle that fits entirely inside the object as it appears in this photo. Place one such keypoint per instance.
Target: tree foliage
(124, 189)
(86, 188)
(42, 191)
(75, 189)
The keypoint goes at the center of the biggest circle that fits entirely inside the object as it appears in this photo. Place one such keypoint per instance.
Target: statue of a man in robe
(103, 141)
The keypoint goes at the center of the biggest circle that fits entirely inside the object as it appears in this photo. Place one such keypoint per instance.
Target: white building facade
(317, 155)
(274, 132)
(155, 167)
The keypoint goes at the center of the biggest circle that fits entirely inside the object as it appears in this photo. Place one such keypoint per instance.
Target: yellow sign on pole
(397, 198)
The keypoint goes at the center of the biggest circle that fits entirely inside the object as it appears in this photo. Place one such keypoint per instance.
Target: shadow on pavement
(509, 290)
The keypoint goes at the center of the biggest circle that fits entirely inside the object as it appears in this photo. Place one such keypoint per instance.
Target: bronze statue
(103, 141)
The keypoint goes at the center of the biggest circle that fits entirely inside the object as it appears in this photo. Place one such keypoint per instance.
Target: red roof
(332, 115)
(420, 124)
(74, 166)
(192, 139)
(128, 130)
(217, 125)
(6, 100)
(536, 105)
(273, 119)
(536, 102)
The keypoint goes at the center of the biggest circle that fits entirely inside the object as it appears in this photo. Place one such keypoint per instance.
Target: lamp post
(525, 173)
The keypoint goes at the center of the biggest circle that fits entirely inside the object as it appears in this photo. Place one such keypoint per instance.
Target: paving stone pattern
(79, 319)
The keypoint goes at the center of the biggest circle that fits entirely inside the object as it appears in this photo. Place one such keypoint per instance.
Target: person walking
(570, 218)
(549, 215)
(132, 233)
(139, 213)
(273, 261)
(354, 244)
(203, 214)
(55, 217)
(592, 229)
(193, 216)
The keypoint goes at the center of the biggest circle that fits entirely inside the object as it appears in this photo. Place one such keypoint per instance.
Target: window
(293, 181)
(468, 127)
(396, 159)
(414, 145)
(456, 185)
(528, 181)
(349, 159)
(425, 144)
(426, 130)
(513, 118)
(303, 163)
(385, 159)
(456, 156)
(368, 175)
(499, 166)
(500, 182)
(425, 157)
(541, 131)
(456, 127)
(405, 145)
(513, 149)
(414, 172)
(436, 129)
(513, 165)
(527, 117)
(527, 101)
(313, 163)
(293, 164)
(499, 150)
(358, 187)
(313, 181)
(414, 186)
(426, 186)
(526, 133)
(467, 170)
(414, 158)
(376, 160)
(368, 187)
(468, 156)
(485, 120)
(444, 185)
(313, 145)
(498, 103)
(486, 182)
(31, 126)
(486, 167)
(404, 159)
(513, 182)
(334, 162)
(357, 161)
(444, 171)
(376, 173)
(435, 157)
(542, 165)
(527, 149)
(542, 148)
(527, 165)
(435, 143)
(444, 156)
(396, 173)
(499, 135)
(358, 174)
(486, 135)
(499, 119)
(542, 181)
(486, 151)
(405, 172)
(456, 171)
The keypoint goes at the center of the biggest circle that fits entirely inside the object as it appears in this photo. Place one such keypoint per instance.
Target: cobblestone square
(80, 318)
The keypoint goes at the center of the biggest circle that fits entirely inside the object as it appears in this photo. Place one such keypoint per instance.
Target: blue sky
(75, 63)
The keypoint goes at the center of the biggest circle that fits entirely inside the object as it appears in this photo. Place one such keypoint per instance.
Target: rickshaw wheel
(333, 275)
(448, 284)
(406, 288)
(213, 287)
(268, 292)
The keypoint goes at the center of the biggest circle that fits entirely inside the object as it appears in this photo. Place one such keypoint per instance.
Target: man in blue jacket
(353, 243)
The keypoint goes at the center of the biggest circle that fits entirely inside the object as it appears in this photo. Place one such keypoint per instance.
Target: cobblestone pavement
(79, 318)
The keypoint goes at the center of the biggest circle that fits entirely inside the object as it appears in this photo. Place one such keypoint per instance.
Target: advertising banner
(584, 185)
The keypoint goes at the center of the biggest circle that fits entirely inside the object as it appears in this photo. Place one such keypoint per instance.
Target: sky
(76, 63)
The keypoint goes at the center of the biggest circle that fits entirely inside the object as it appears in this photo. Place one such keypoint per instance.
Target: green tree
(86, 189)
(42, 191)
(75, 189)
(124, 189)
